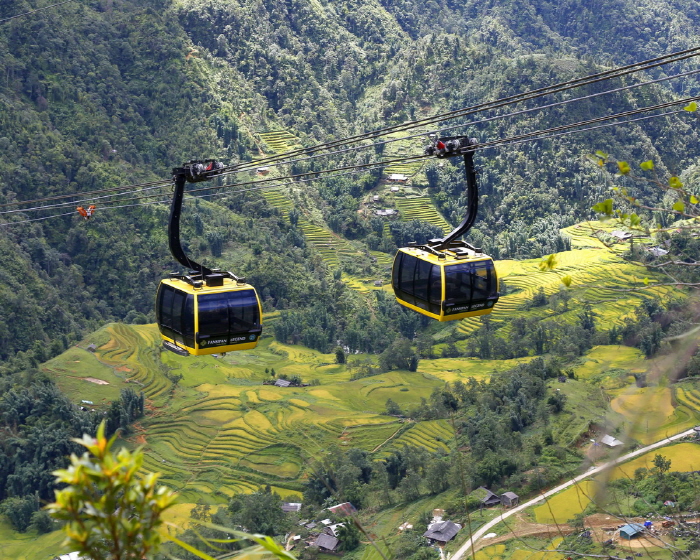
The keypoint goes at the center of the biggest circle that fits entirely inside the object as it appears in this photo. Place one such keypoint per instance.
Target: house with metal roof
(631, 530)
(442, 532)
(282, 383)
(510, 499)
(491, 499)
(345, 508)
(326, 542)
(610, 441)
(289, 507)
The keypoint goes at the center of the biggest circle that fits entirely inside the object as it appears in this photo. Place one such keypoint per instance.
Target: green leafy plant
(114, 512)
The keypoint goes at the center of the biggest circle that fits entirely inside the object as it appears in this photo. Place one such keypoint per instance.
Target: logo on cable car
(212, 342)
(237, 339)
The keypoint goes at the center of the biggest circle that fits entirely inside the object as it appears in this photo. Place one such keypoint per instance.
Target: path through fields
(590, 472)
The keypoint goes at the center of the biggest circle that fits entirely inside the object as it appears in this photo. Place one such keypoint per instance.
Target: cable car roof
(447, 257)
(228, 286)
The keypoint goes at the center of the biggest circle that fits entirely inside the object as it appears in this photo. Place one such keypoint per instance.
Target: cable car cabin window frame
(478, 296)
(238, 320)
(410, 270)
(182, 329)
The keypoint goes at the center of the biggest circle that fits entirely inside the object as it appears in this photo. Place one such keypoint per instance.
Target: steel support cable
(34, 11)
(473, 123)
(588, 129)
(87, 194)
(79, 201)
(516, 98)
(216, 187)
(532, 94)
(530, 135)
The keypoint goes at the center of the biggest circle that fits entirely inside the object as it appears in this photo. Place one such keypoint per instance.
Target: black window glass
(178, 304)
(244, 313)
(396, 270)
(188, 317)
(481, 281)
(458, 282)
(166, 307)
(213, 313)
(436, 285)
(421, 282)
(408, 268)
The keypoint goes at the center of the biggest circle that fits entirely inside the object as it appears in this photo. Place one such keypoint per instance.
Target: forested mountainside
(109, 93)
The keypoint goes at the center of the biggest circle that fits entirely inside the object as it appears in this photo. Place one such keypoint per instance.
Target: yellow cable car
(205, 311)
(209, 319)
(448, 279)
(446, 288)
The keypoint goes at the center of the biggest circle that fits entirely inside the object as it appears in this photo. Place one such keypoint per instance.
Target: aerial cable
(532, 94)
(84, 200)
(516, 98)
(530, 135)
(505, 143)
(162, 182)
(588, 129)
(473, 123)
(34, 11)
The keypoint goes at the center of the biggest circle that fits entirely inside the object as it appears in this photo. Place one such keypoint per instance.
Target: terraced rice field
(599, 277)
(421, 208)
(333, 248)
(219, 431)
(667, 411)
(280, 141)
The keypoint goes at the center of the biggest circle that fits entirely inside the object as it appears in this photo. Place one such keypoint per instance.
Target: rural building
(394, 189)
(69, 556)
(697, 431)
(334, 528)
(442, 532)
(282, 383)
(509, 499)
(387, 212)
(289, 507)
(631, 530)
(490, 499)
(375, 198)
(326, 542)
(610, 441)
(620, 235)
(397, 178)
(345, 508)
(92, 348)
(262, 170)
(657, 251)
(378, 283)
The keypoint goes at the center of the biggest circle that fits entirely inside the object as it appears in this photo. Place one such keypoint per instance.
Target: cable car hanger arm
(192, 172)
(455, 146)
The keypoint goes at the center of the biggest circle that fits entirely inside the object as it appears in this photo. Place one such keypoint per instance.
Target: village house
(509, 499)
(442, 532)
(490, 499)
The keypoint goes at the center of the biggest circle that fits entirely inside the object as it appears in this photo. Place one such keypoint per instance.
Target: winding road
(464, 549)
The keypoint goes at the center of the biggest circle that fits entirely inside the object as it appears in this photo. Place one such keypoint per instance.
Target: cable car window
(436, 287)
(458, 282)
(213, 314)
(244, 313)
(421, 282)
(408, 267)
(188, 317)
(178, 304)
(481, 281)
(397, 268)
(166, 305)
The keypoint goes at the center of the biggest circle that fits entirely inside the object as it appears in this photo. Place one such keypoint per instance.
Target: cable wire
(34, 11)
(532, 94)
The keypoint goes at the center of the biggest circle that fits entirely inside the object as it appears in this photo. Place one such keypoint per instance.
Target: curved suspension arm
(174, 228)
(472, 205)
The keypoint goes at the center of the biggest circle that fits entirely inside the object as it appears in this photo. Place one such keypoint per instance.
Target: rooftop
(443, 531)
(326, 541)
